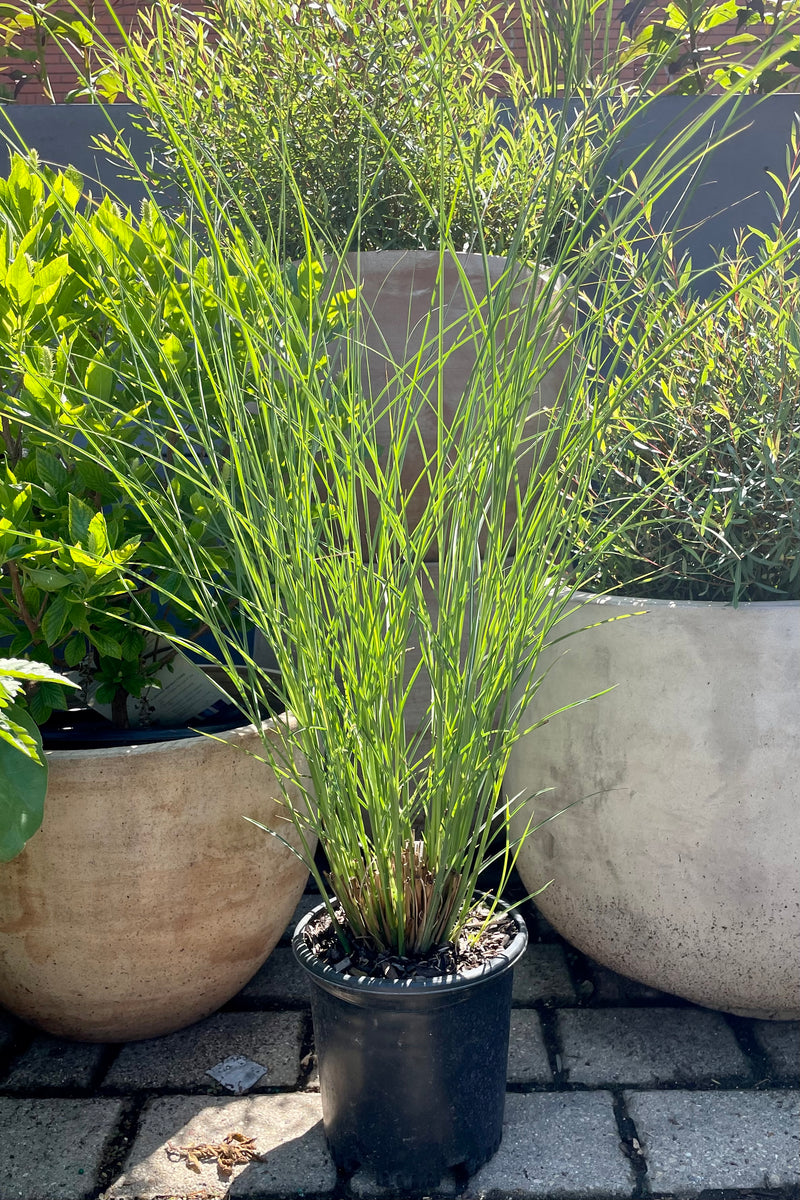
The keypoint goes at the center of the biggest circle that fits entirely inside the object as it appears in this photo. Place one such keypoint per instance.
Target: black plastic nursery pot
(412, 1072)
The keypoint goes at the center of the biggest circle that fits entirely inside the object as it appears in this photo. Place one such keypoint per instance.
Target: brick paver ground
(615, 1091)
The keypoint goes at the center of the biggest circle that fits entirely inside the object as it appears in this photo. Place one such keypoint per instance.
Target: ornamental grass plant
(277, 443)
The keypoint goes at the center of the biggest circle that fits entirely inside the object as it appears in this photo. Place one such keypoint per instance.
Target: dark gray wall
(63, 135)
(729, 191)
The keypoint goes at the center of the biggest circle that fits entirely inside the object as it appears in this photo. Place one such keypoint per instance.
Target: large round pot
(412, 1072)
(680, 864)
(146, 901)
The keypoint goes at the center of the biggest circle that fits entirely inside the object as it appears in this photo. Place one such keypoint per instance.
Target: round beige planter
(680, 865)
(146, 900)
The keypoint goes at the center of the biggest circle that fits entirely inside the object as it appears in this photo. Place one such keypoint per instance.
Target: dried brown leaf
(234, 1150)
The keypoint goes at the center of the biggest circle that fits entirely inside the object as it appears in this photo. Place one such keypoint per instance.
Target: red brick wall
(59, 68)
(62, 76)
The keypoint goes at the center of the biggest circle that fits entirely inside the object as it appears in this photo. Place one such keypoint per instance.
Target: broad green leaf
(92, 476)
(22, 55)
(99, 380)
(23, 785)
(48, 279)
(174, 352)
(22, 668)
(106, 645)
(55, 619)
(19, 281)
(718, 14)
(80, 518)
(75, 650)
(51, 471)
(44, 699)
(48, 578)
(98, 535)
(69, 184)
(108, 83)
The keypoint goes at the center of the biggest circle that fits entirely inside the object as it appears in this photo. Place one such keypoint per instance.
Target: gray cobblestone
(181, 1060)
(51, 1062)
(281, 980)
(702, 1140)
(52, 1149)
(780, 1041)
(609, 986)
(556, 1144)
(649, 1046)
(527, 1056)
(542, 975)
(287, 1130)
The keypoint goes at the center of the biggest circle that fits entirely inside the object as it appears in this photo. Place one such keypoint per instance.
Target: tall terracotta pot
(680, 864)
(146, 900)
(395, 336)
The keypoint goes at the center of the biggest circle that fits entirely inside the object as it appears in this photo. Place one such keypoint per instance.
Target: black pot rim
(386, 988)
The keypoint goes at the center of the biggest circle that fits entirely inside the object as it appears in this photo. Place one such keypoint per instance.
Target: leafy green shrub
(711, 444)
(376, 123)
(74, 291)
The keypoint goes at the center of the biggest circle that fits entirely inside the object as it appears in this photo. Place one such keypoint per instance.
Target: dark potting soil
(451, 958)
(79, 728)
(84, 729)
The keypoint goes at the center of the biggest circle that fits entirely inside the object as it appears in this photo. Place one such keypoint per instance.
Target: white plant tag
(237, 1074)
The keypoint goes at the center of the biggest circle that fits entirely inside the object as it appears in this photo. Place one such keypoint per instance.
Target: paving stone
(542, 975)
(556, 1144)
(609, 986)
(703, 1140)
(52, 1149)
(780, 1041)
(648, 1046)
(181, 1059)
(527, 1056)
(287, 1130)
(51, 1062)
(281, 980)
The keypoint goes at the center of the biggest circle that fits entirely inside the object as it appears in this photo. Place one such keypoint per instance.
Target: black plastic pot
(412, 1072)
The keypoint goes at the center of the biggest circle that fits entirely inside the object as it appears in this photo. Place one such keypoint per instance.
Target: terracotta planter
(146, 901)
(396, 334)
(681, 866)
(399, 290)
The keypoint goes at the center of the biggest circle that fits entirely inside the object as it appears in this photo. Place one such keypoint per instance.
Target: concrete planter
(680, 867)
(146, 901)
